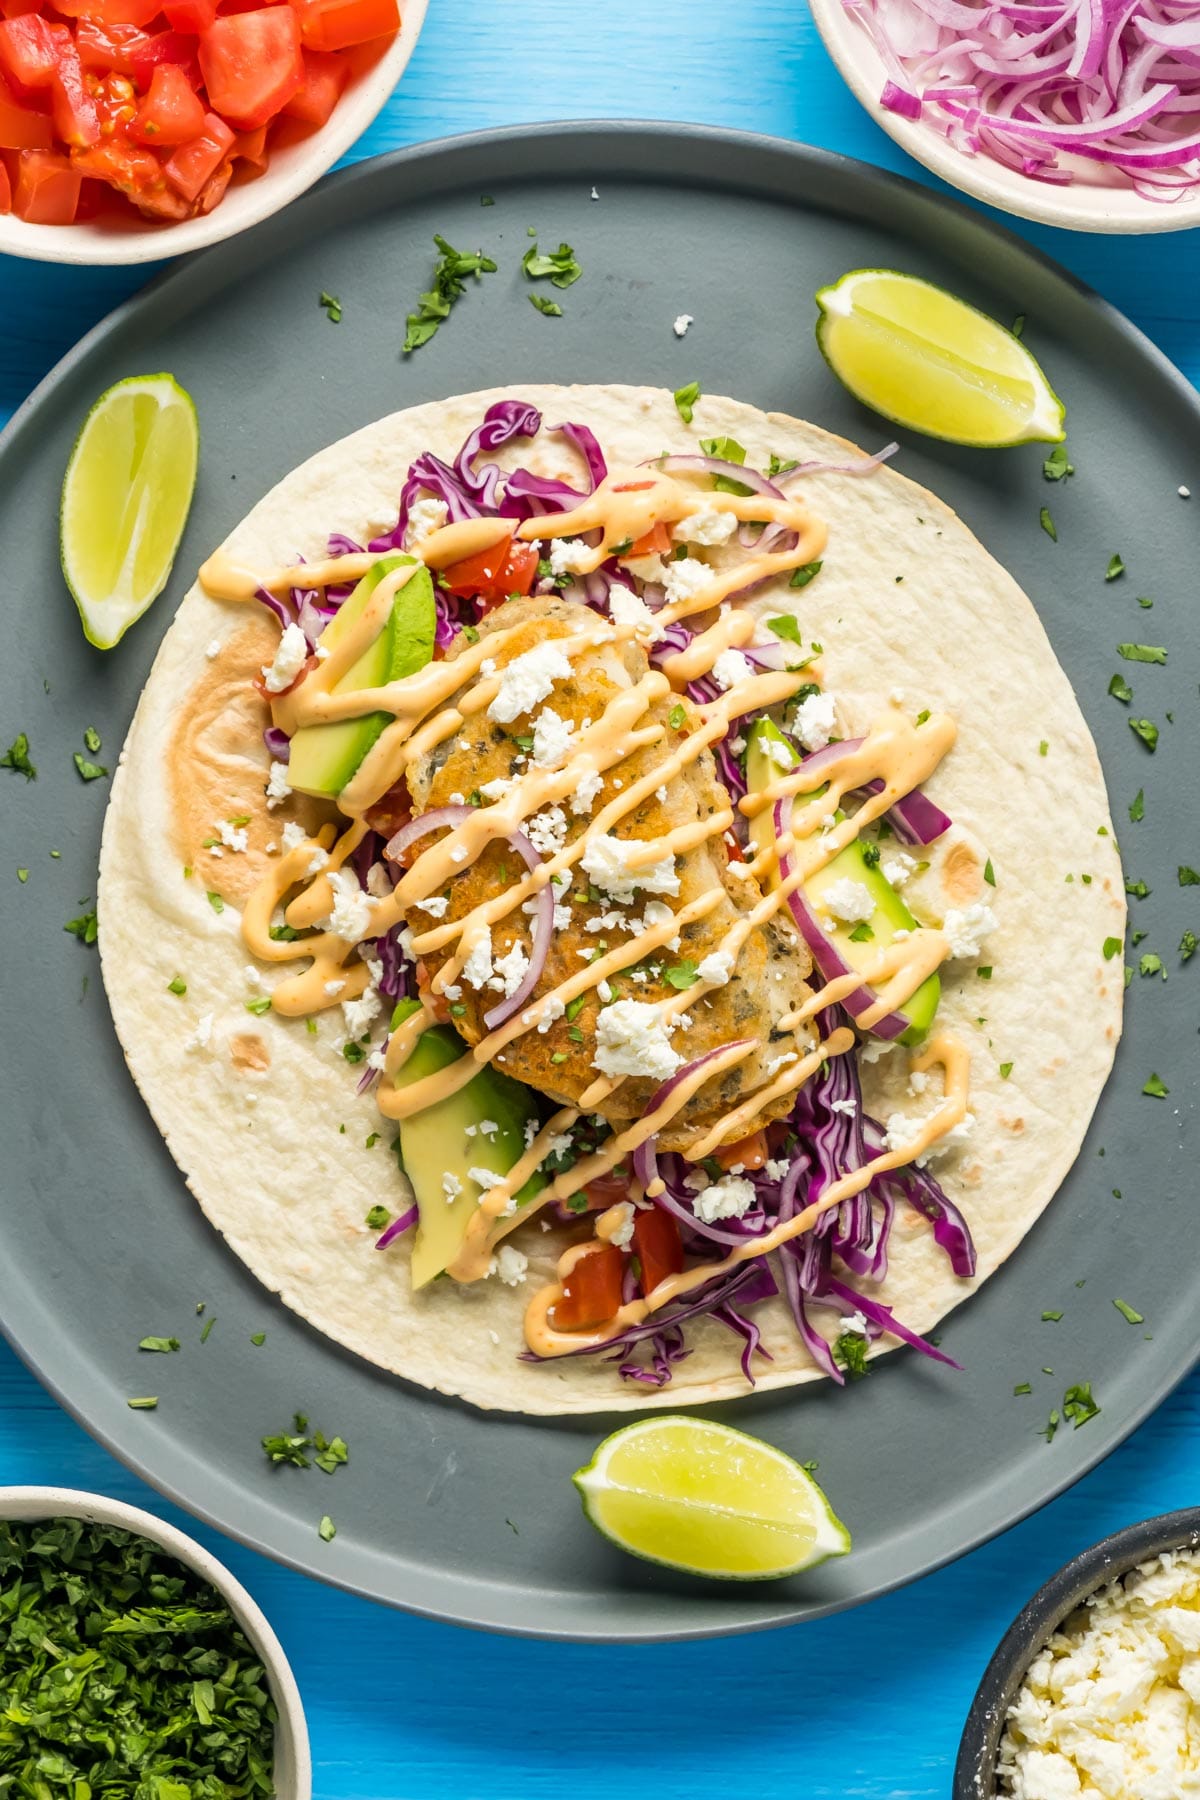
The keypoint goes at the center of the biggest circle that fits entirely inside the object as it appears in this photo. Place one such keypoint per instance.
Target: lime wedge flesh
(929, 361)
(702, 1497)
(125, 501)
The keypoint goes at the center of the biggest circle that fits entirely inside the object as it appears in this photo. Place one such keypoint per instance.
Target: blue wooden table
(857, 1708)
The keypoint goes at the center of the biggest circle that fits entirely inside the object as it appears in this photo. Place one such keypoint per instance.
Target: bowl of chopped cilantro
(132, 1662)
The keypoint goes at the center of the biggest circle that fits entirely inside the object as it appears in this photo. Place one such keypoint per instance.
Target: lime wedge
(125, 501)
(926, 360)
(700, 1496)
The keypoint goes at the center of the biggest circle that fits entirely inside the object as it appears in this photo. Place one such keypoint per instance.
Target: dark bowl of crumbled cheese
(1095, 1687)
(134, 1662)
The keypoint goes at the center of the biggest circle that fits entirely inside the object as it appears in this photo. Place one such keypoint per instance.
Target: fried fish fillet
(769, 978)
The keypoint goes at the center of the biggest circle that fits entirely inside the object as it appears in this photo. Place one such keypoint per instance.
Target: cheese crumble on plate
(1111, 1706)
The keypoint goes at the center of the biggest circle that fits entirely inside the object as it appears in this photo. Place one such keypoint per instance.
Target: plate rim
(810, 159)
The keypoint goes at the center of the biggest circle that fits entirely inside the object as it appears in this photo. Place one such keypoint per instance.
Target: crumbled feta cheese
(477, 969)
(632, 1039)
(451, 1186)
(527, 679)
(452, 990)
(730, 668)
(547, 831)
(730, 1198)
(814, 720)
(654, 914)
(551, 739)
(317, 861)
(334, 988)
(716, 968)
(435, 905)
(234, 837)
(898, 868)
(622, 1234)
(360, 1014)
(379, 883)
(587, 790)
(552, 1008)
(202, 1035)
(681, 324)
(606, 860)
(291, 654)
(776, 751)
(498, 789)
(776, 1167)
(626, 608)
(843, 1106)
(709, 525)
(424, 518)
(293, 836)
(684, 579)
(900, 1131)
(872, 1048)
(278, 785)
(352, 908)
(488, 1127)
(458, 854)
(848, 900)
(486, 1179)
(509, 1264)
(212, 649)
(567, 556)
(604, 992)
(918, 1081)
(967, 927)
(510, 970)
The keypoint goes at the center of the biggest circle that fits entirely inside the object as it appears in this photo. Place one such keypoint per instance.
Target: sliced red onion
(397, 1228)
(716, 465)
(824, 951)
(856, 465)
(278, 743)
(543, 931)
(418, 828)
(900, 100)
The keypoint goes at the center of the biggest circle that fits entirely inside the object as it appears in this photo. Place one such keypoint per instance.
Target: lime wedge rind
(126, 495)
(753, 1513)
(930, 362)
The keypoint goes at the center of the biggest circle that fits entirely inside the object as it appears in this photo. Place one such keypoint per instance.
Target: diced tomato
(655, 542)
(337, 24)
(5, 190)
(325, 76)
(493, 576)
(195, 163)
(109, 48)
(17, 9)
(213, 191)
(391, 812)
(171, 113)
(251, 64)
(592, 1290)
(76, 119)
(47, 188)
(750, 1152)
(438, 1004)
(164, 47)
(606, 1190)
(657, 1246)
(250, 148)
(29, 51)
(111, 12)
(192, 16)
(20, 127)
(133, 171)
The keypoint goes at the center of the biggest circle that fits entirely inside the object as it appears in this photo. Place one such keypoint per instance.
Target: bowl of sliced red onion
(1079, 113)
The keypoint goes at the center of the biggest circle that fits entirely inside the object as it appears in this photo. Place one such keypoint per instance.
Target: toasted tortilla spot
(248, 1051)
(962, 873)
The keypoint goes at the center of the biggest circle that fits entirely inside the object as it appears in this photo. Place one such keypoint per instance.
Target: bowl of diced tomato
(132, 130)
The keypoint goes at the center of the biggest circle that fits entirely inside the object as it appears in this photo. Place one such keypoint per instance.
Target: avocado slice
(324, 757)
(890, 915)
(434, 1143)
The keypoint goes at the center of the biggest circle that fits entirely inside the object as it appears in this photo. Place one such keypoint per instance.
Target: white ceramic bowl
(293, 168)
(293, 1762)
(1080, 207)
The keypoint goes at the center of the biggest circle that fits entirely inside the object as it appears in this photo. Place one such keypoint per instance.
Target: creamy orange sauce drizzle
(433, 705)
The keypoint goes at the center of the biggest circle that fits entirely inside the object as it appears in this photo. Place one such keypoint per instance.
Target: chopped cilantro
(16, 757)
(1151, 965)
(578, 1203)
(807, 572)
(177, 985)
(161, 1344)
(1018, 325)
(1112, 947)
(1130, 1314)
(1146, 730)
(1115, 567)
(677, 717)
(1047, 524)
(1051, 1427)
(84, 927)
(1144, 601)
(685, 400)
(378, 1217)
(215, 901)
(1043, 748)
(22, 875)
(560, 267)
(575, 1007)
(989, 874)
(1120, 689)
(1079, 1405)
(786, 627)
(985, 973)
(332, 306)
(89, 771)
(449, 279)
(1187, 945)
(1051, 1318)
(327, 1530)
(850, 1354)
(1144, 653)
(143, 1403)
(1138, 889)
(1156, 1088)
(862, 933)
(1056, 465)
(778, 465)
(1137, 807)
(208, 1325)
(1006, 1070)
(550, 308)
(1188, 877)
(259, 1005)
(258, 1339)
(726, 449)
(353, 1053)
(91, 739)
(1023, 1387)
(283, 934)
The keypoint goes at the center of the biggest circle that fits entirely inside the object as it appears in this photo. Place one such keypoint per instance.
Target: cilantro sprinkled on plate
(1057, 466)
(1188, 877)
(16, 757)
(1047, 524)
(544, 304)
(1147, 730)
(560, 267)
(88, 771)
(1115, 567)
(450, 274)
(332, 306)
(1187, 945)
(1120, 689)
(1079, 1405)
(327, 1530)
(1156, 1088)
(84, 927)
(1143, 653)
(161, 1344)
(1137, 807)
(1129, 1313)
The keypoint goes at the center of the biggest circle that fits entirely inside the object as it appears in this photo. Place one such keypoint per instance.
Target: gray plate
(444, 1510)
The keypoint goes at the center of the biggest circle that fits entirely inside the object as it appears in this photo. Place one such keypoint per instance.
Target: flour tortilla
(263, 1118)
